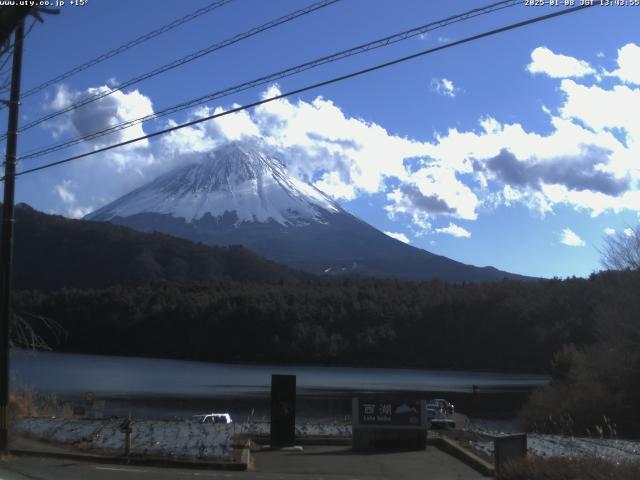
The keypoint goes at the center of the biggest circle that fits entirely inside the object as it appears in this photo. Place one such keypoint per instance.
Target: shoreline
(278, 365)
(332, 405)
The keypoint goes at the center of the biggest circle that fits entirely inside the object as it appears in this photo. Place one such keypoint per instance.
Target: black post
(6, 246)
(283, 410)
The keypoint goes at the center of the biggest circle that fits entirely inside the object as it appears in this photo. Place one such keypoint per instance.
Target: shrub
(26, 403)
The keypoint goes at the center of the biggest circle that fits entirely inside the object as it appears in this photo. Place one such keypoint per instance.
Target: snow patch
(561, 446)
(152, 437)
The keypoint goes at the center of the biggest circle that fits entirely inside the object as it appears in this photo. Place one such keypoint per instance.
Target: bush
(584, 408)
(27, 403)
(594, 390)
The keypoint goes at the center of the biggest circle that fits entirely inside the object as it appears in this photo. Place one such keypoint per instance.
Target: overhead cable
(341, 78)
(179, 62)
(375, 44)
(127, 46)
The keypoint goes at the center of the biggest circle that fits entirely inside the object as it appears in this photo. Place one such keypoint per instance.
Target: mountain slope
(239, 195)
(233, 178)
(53, 252)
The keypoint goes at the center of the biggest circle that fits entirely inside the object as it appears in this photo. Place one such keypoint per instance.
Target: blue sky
(519, 151)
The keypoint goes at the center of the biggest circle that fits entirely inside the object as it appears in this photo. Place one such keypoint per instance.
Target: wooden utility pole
(6, 246)
(10, 18)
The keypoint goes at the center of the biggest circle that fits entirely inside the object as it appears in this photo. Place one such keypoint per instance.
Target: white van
(213, 418)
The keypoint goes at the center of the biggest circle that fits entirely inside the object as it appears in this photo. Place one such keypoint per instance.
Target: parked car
(432, 413)
(213, 418)
(437, 417)
(442, 421)
(441, 405)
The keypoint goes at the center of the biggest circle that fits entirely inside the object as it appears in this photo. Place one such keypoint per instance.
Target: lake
(160, 387)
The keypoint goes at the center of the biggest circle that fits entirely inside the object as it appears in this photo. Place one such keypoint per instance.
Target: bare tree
(621, 250)
(25, 327)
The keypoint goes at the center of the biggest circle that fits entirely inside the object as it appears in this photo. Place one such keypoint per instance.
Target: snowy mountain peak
(232, 179)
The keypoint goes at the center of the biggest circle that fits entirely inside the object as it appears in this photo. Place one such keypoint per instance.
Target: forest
(505, 326)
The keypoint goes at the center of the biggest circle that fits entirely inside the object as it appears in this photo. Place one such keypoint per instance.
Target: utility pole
(11, 16)
(6, 246)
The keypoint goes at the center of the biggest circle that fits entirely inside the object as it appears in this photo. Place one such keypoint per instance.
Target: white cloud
(105, 176)
(78, 212)
(443, 86)
(604, 110)
(102, 114)
(331, 184)
(454, 230)
(628, 232)
(587, 160)
(341, 155)
(628, 64)
(609, 231)
(398, 236)
(64, 192)
(556, 65)
(433, 190)
(108, 111)
(569, 238)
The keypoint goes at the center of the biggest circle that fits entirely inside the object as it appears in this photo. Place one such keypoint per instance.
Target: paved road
(313, 463)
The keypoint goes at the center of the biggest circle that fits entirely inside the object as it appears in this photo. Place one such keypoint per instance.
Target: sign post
(389, 424)
(125, 427)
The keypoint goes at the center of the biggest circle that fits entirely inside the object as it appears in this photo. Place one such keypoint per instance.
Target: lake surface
(148, 381)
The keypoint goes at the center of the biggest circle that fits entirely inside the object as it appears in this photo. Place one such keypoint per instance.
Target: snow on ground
(302, 429)
(160, 437)
(152, 437)
(561, 446)
(490, 426)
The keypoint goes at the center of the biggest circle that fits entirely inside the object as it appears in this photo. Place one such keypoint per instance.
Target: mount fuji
(238, 194)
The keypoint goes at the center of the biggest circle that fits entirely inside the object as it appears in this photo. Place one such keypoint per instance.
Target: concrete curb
(320, 440)
(241, 453)
(453, 448)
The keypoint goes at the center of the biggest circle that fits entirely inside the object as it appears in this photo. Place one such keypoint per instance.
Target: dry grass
(27, 403)
(464, 439)
(6, 458)
(562, 468)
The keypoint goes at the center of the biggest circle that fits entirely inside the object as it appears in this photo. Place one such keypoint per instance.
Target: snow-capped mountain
(231, 179)
(237, 194)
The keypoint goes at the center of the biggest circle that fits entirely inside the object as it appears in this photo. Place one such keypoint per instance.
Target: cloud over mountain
(587, 158)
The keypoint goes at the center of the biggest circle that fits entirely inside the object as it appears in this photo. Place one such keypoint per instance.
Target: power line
(383, 42)
(8, 50)
(182, 61)
(358, 73)
(133, 43)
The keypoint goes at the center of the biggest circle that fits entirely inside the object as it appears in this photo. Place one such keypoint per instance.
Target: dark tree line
(507, 326)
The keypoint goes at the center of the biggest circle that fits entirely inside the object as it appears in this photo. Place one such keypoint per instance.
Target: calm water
(181, 386)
